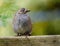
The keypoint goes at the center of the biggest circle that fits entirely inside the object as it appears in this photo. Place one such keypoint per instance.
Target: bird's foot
(18, 34)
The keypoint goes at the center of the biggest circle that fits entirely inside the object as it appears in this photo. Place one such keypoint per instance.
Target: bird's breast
(23, 18)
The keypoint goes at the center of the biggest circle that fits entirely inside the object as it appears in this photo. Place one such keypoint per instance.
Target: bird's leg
(18, 34)
(29, 34)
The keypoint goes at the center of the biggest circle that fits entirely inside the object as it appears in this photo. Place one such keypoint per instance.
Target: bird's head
(24, 11)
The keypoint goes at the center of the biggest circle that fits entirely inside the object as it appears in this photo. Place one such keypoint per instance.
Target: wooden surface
(47, 40)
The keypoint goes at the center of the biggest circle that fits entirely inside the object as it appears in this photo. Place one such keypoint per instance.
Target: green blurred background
(45, 16)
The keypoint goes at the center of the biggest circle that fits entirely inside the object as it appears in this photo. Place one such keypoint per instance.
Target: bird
(22, 22)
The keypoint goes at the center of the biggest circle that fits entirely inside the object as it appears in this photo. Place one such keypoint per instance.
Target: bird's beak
(27, 10)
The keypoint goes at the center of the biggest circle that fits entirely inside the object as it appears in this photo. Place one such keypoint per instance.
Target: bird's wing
(29, 23)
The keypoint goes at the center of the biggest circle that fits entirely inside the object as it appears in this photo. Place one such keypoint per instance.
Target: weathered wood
(49, 40)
